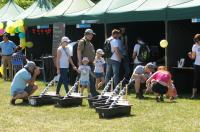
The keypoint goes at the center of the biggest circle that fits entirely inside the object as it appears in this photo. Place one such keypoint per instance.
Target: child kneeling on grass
(85, 72)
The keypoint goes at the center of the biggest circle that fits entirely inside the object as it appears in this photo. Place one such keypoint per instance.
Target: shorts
(158, 88)
(99, 75)
(28, 90)
(84, 83)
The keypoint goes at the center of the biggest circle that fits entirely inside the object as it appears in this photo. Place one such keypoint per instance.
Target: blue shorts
(28, 90)
(84, 83)
(99, 75)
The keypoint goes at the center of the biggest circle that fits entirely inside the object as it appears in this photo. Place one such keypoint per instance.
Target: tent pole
(166, 37)
(105, 30)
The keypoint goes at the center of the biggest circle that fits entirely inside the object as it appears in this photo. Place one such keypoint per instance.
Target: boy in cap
(140, 75)
(85, 72)
(23, 84)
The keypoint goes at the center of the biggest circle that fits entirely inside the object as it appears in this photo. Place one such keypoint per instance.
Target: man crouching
(23, 83)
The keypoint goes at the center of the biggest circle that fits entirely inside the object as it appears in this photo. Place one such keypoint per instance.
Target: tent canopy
(37, 8)
(113, 11)
(63, 12)
(9, 11)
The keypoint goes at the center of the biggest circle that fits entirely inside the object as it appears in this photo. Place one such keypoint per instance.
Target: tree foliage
(26, 3)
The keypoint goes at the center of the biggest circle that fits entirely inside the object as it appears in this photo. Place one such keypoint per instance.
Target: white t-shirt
(196, 49)
(114, 44)
(99, 65)
(64, 58)
(85, 72)
(137, 50)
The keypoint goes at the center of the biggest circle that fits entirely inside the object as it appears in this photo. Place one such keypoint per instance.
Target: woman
(62, 61)
(195, 55)
(159, 82)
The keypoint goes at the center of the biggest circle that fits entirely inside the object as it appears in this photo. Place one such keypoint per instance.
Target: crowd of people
(100, 65)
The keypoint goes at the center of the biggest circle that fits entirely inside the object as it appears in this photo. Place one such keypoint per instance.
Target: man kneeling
(23, 83)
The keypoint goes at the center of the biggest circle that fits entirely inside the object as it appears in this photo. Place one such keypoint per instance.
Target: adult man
(124, 51)
(86, 49)
(113, 63)
(140, 75)
(136, 52)
(7, 48)
(23, 83)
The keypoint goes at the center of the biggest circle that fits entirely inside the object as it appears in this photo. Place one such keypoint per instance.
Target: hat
(89, 31)
(30, 64)
(150, 65)
(85, 59)
(100, 51)
(65, 39)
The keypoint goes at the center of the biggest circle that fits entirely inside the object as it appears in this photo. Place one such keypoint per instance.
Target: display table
(183, 79)
(47, 67)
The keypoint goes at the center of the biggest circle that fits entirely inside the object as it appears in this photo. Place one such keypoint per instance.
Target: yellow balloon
(21, 29)
(1, 70)
(19, 23)
(29, 44)
(1, 25)
(163, 43)
(22, 43)
(9, 29)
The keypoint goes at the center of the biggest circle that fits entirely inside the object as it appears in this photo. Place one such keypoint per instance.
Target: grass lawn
(147, 116)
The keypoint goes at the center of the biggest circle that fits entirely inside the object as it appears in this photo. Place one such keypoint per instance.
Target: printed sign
(58, 33)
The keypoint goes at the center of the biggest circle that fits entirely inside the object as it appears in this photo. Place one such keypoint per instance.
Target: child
(99, 68)
(62, 62)
(85, 72)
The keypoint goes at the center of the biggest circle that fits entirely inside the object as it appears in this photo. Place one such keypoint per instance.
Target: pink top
(161, 76)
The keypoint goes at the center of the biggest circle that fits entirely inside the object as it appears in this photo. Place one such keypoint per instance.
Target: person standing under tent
(86, 49)
(124, 51)
(195, 55)
(8, 48)
(113, 62)
(62, 61)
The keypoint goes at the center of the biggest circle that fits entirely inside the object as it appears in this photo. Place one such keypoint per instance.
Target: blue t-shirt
(20, 81)
(7, 48)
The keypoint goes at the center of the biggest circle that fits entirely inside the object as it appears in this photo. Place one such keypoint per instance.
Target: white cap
(65, 39)
(100, 51)
(30, 64)
(85, 59)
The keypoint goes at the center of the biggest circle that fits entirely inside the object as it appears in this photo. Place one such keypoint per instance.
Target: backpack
(75, 57)
(107, 48)
(144, 53)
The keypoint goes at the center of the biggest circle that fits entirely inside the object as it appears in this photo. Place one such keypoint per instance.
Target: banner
(58, 33)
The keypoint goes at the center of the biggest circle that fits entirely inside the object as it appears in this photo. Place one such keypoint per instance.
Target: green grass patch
(146, 116)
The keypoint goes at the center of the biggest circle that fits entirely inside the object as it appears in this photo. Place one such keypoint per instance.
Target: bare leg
(101, 82)
(137, 85)
(194, 91)
(97, 83)
(23, 95)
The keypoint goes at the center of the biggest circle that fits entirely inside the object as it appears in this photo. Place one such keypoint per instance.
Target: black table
(183, 79)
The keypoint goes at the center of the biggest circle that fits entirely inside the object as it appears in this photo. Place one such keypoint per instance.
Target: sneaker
(12, 101)
(161, 99)
(157, 99)
(25, 100)
(193, 97)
